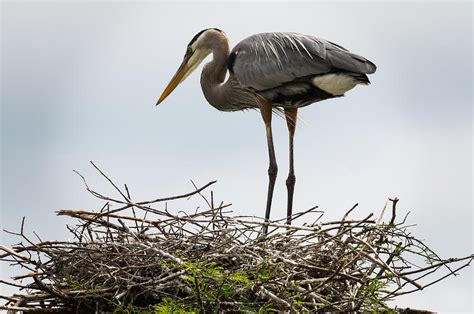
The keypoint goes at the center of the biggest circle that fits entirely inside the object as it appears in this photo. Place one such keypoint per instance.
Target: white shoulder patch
(335, 83)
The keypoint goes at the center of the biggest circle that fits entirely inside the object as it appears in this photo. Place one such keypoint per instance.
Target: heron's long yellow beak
(177, 78)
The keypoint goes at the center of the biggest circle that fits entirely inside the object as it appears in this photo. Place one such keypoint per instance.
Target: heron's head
(198, 49)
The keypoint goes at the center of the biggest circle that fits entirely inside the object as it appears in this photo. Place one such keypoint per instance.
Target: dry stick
(198, 296)
(52, 291)
(13, 284)
(383, 264)
(86, 215)
(94, 193)
(389, 260)
(273, 297)
(333, 275)
(396, 293)
(299, 214)
(448, 261)
(13, 253)
(164, 199)
(394, 209)
(343, 220)
(138, 204)
(111, 182)
(30, 309)
(382, 213)
(117, 258)
(203, 197)
(9, 299)
(437, 280)
(94, 220)
(396, 250)
(132, 208)
(22, 235)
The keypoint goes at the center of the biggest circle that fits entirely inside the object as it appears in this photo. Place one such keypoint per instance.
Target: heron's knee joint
(272, 170)
(290, 181)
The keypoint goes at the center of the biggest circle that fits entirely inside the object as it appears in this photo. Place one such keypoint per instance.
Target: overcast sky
(79, 83)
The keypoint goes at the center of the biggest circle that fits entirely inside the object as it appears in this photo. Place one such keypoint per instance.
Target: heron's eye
(189, 50)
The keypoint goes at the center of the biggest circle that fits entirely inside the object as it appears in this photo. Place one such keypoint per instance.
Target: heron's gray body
(290, 70)
(271, 71)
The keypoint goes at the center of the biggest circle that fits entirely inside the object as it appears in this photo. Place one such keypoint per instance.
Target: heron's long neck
(214, 72)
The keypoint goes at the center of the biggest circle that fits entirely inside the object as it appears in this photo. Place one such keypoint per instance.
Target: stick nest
(140, 256)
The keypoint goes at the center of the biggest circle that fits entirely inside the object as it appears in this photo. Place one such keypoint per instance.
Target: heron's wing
(267, 60)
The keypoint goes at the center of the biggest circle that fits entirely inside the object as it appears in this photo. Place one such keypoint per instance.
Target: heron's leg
(290, 114)
(266, 110)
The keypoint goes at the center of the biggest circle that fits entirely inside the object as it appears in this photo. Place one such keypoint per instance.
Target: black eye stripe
(200, 33)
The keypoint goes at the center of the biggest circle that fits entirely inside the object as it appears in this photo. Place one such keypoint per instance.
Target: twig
(394, 209)
(138, 253)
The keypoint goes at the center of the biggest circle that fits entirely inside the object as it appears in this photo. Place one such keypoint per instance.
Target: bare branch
(140, 253)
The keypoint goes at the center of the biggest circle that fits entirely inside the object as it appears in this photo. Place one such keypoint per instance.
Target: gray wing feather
(268, 60)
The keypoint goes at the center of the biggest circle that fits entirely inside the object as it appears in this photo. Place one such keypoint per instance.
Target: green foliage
(371, 297)
(265, 271)
(209, 280)
(211, 283)
(130, 309)
(167, 306)
(240, 278)
(268, 308)
(170, 305)
(77, 284)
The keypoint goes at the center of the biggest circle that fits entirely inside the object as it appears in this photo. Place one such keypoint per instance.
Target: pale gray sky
(80, 80)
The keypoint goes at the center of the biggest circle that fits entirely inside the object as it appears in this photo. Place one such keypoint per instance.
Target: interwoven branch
(143, 255)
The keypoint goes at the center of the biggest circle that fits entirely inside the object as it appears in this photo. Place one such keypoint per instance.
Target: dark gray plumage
(268, 60)
(271, 71)
(284, 64)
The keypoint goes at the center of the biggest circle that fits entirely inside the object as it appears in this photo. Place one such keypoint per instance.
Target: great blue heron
(273, 72)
